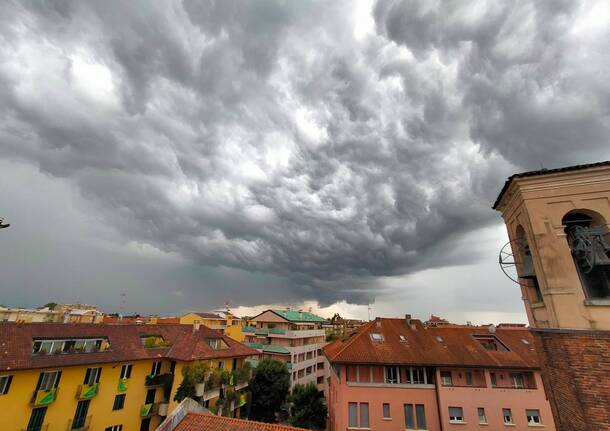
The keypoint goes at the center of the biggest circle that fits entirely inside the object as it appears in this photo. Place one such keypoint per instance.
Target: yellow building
(57, 377)
(230, 325)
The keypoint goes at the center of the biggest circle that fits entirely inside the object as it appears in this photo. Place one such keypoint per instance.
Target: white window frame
(389, 411)
(156, 368)
(456, 419)
(93, 375)
(509, 416)
(48, 376)
(530, 417)
(391, 374)
(482, 417)
(125, 371)
(445, 382)
(517, 381)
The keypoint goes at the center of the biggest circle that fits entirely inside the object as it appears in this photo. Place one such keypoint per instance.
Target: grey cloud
(266, 137)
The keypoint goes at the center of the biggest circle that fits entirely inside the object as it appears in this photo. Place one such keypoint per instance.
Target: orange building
(397, 374)
(558, 222)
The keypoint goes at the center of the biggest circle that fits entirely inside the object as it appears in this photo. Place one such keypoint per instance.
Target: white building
(293, 337)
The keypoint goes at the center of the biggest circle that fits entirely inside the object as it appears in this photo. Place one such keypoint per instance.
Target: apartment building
(398, 374)
(55, 377)
(293, 337)
(61, 313)
(230, 324)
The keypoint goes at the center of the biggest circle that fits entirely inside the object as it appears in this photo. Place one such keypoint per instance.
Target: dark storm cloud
(285, 138)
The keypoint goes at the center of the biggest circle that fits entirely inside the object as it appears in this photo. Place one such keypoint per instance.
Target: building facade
(558, 222)
(60, 313)
(293, 337)
(55, 377)
(397, 374)
(230, 325)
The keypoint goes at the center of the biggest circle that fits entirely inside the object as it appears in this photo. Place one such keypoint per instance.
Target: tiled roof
(298, 316)
(212, 316)
(125, 344)
(439, 346)
(207, 422)
(270, 348)
(545, 172)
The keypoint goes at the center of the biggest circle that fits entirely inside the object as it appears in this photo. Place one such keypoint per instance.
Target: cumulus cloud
(315, 141)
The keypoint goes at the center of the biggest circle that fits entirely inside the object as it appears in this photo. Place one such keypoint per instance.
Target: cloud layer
(328, 143)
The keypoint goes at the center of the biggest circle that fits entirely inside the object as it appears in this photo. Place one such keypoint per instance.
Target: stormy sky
(322, 154)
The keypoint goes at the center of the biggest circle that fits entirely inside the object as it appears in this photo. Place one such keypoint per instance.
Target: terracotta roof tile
(125, 344)
(421, 346)
(207, 422)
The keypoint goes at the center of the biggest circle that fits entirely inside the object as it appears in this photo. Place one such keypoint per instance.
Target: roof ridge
(227, 419)
(350, 341)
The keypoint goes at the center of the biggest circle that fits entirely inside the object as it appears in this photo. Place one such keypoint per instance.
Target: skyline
(293, 153)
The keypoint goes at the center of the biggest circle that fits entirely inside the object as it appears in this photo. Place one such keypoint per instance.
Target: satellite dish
(507, 260)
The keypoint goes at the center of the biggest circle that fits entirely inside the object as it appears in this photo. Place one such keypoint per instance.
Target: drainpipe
(438, 397)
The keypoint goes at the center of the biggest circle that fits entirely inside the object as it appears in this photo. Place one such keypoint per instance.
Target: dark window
(92, 375)
(491, 343)
(386, 411)
(446, 378)
(150, 396)
(36, 419)
(5, 384)
(126, 371)
(420, 413)
(114, 428)
(119, 402)
(48, 380)
(80, 416)
(145, 424)
(409, 417)
(468, 378)
(156, 368)
(456, 414)
(494, 381)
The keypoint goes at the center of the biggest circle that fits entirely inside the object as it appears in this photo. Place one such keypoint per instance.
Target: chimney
(196, 325)
(408, 319)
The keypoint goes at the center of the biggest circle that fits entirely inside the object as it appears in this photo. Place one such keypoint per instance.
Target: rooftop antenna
(369, 308)
(2, 225)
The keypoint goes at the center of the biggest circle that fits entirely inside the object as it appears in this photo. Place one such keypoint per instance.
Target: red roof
(125, 344)
(439, 346)
(207, 422)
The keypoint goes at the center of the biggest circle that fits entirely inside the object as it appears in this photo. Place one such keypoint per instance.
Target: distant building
(60, 313)
(436, 321)
(229, 324)
(110, 377)
(293, 337)
(397, 374)
(558, 223)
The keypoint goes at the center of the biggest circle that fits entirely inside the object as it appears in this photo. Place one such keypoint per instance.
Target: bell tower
(558, 223)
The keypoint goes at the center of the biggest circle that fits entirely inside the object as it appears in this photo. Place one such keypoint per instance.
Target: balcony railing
(122, 385)
(86, 392)
(157, 380)
(79, 424)
(151, 409)
(42, 397)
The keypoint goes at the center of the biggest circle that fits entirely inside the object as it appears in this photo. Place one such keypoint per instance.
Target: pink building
(395, 374)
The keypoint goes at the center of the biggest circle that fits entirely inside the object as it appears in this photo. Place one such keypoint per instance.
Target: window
(588, 240)
(125, 372)
(533, 417)
(119, 402)
(92, 376)
(468, 378)
(420, 414)
(386, 411)
(37, 419)
(48, 380)
(364, 415)
(516, 380)
(391, 374)
(5, 384)
(218, 344)
(491, 343)
(482, 417)
(456, 414)
(409, 417)
(418, 376)
(80, 416)
(115, 428)
(70, 345)
(377, 337)
(446, 378)
(508, 416)
(358, 415)
(494, 382)
(156, 368)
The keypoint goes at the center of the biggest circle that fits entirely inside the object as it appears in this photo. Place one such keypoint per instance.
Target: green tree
(269, 388)
(191, 375)
(308, 407)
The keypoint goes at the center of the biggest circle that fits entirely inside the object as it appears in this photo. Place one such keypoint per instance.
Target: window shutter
(87, 376)
(57, 379)
(40, 376)
(99, 374)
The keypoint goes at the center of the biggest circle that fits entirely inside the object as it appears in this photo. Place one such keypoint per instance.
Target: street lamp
(2, 225)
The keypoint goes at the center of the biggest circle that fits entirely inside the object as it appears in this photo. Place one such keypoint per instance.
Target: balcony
(303, 333)
(148, 410)
(86, 392)
(248, 330)
(43, 397)
(122, 385)
(79, 424)
(158, 380)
